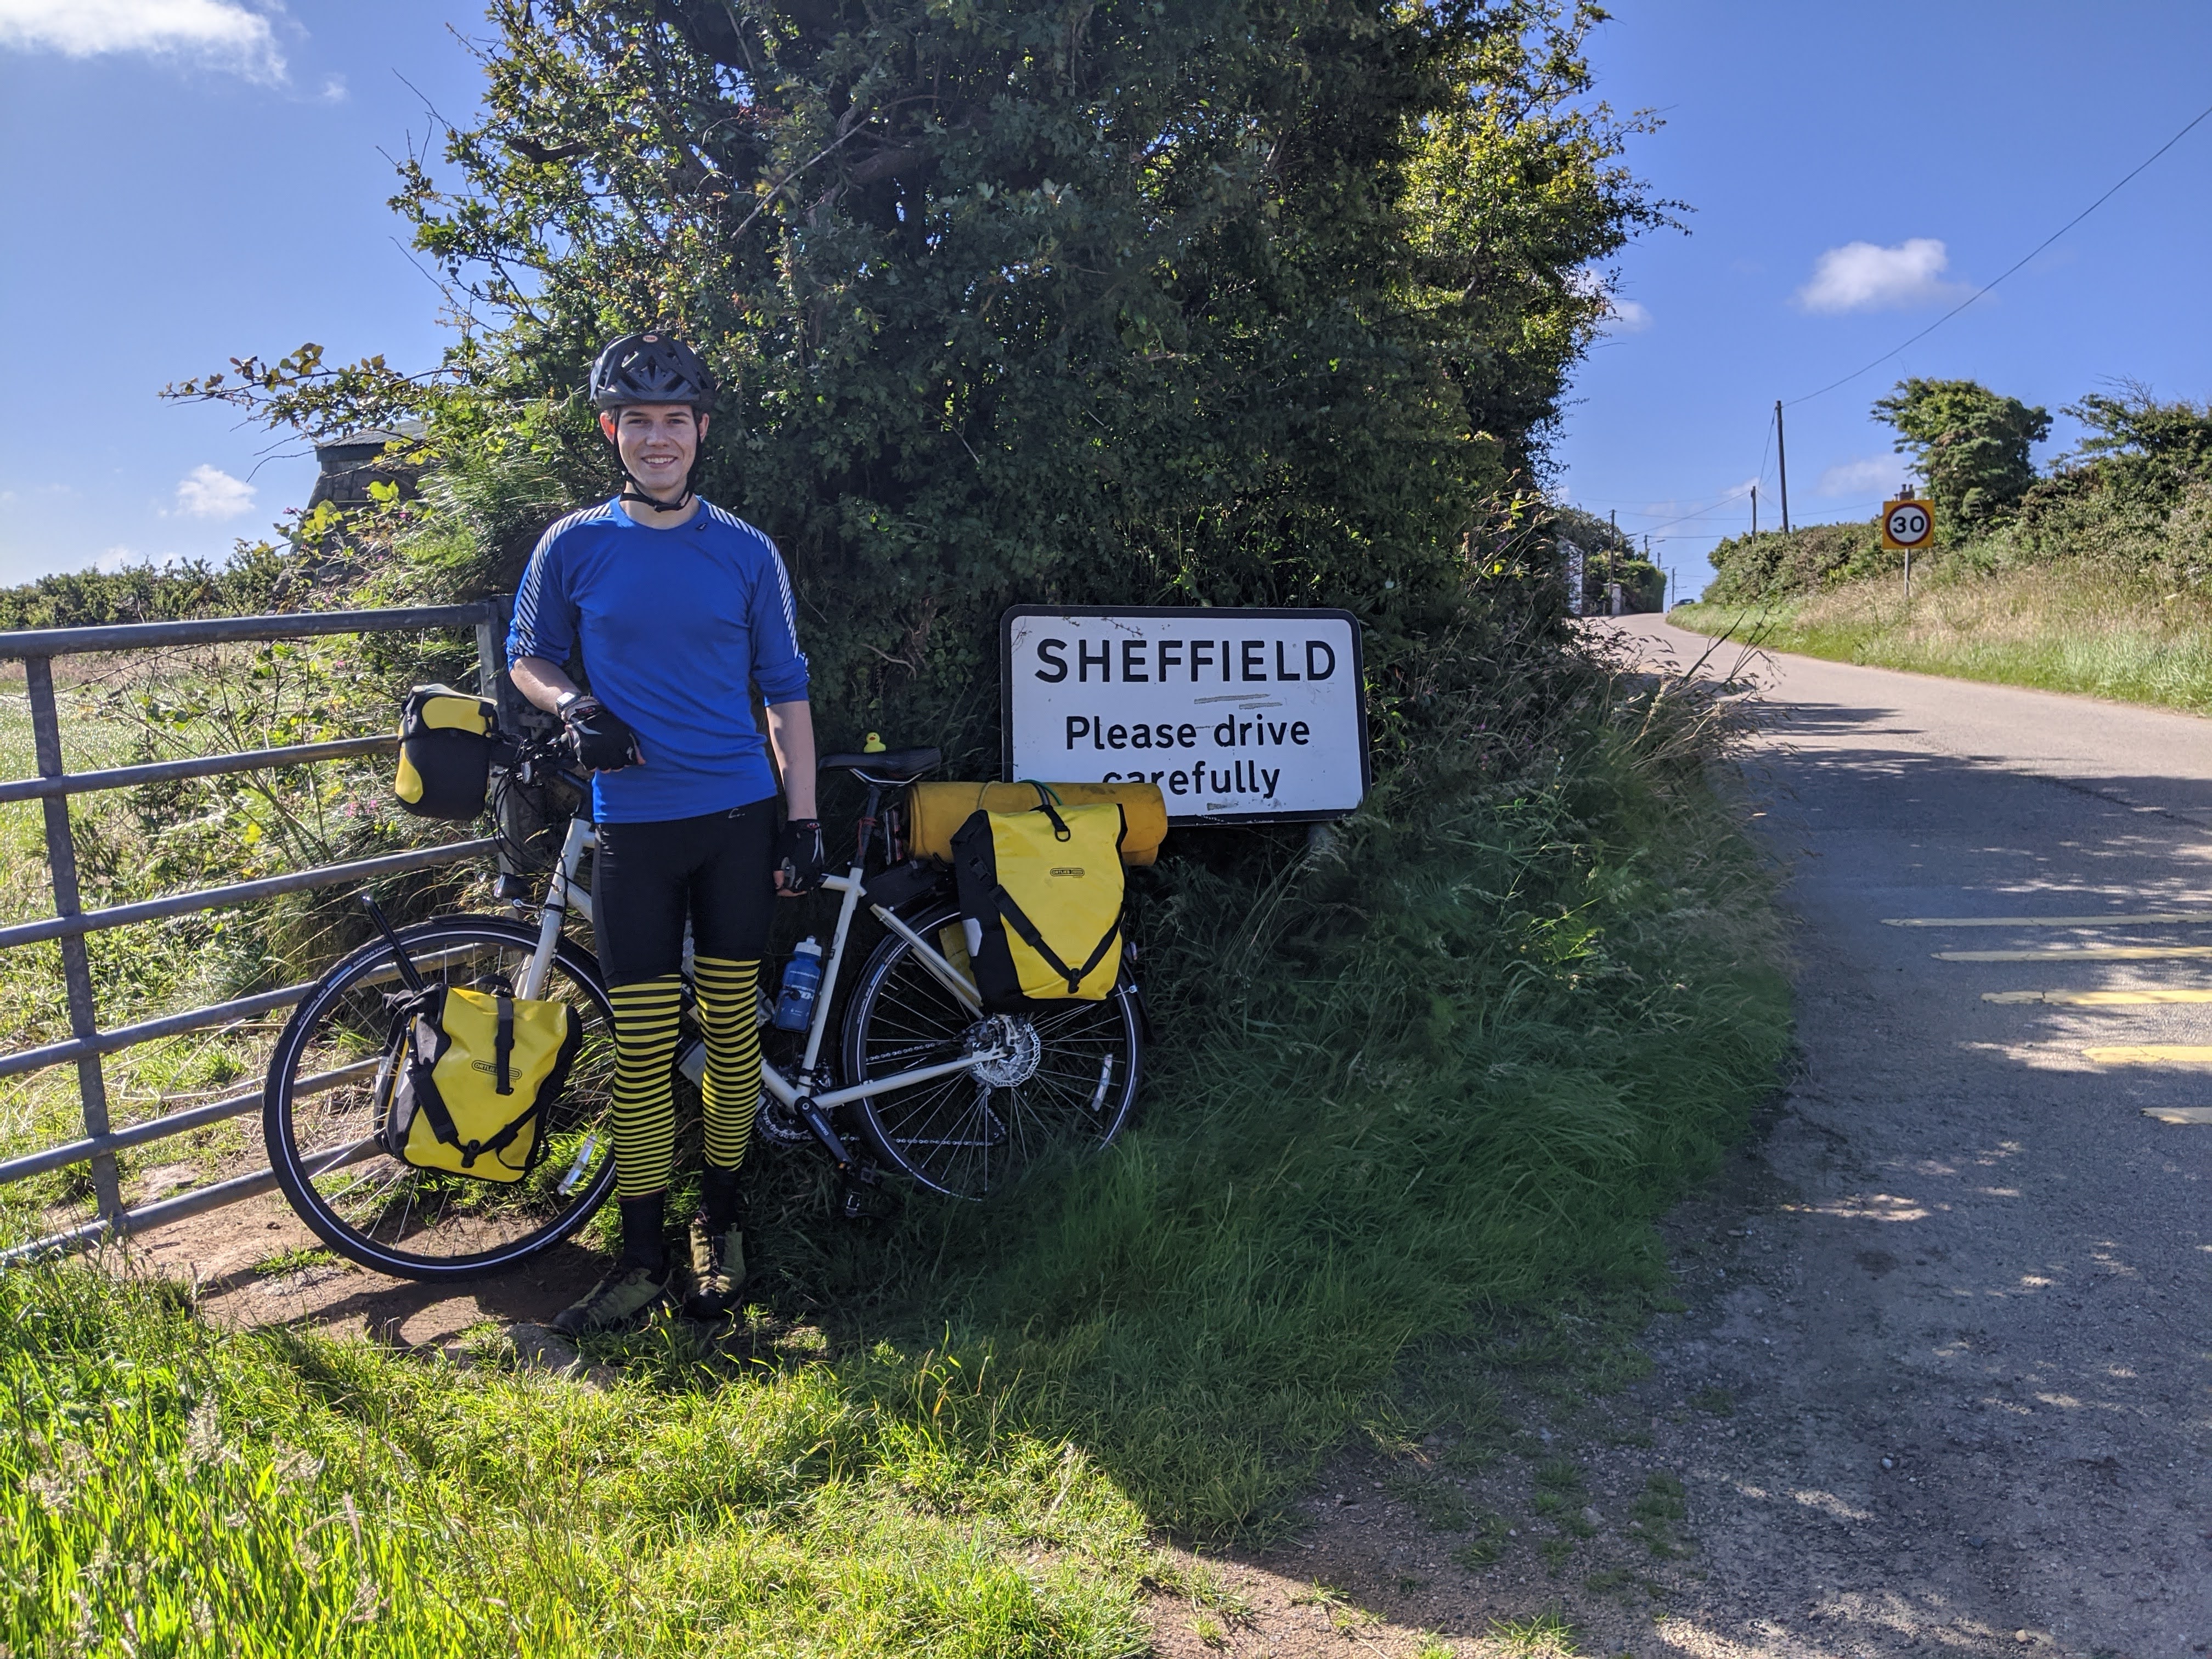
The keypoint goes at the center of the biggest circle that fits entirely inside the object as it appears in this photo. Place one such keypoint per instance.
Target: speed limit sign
(1906, 525)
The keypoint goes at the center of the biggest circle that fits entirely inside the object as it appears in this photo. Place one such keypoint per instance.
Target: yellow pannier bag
(936, 810)
(471, 1078)
(446, 740)
(1041, 902)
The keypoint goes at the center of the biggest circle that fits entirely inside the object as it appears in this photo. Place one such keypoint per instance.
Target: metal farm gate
(71, 923)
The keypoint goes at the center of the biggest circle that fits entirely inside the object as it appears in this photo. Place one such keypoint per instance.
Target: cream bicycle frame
(564, 898)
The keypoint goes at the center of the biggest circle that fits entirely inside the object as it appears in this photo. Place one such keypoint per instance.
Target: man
(678, 610)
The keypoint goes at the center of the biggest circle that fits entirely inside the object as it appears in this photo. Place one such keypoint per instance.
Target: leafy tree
(1223, 301)
(2146, 450)
(1969, 446)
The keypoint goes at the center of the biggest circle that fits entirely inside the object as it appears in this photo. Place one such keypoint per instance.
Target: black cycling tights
(647, 879)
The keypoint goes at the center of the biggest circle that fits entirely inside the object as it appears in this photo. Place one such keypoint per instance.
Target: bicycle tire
(463, 1229)
(959, 1135)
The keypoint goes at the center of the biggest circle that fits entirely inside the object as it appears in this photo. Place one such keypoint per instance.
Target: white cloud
(206, 492)
(220, 33)
(1876, 475)
(1861, 276)
(334, 89)
(1621, 316)
(1627, 316)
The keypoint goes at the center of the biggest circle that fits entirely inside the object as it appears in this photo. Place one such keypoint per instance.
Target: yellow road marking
(2151, 1053)
(2083, 953)
(2179, 1114)
(2044, 921)
(2100, 998)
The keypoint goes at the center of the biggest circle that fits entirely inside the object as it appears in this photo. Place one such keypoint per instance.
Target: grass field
(1408, 1100)
(2066, 628)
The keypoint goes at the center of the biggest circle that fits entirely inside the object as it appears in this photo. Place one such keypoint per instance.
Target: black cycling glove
(602, 738)
(798, 856)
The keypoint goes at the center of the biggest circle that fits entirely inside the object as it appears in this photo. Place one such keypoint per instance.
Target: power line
(1703, 511)
(2015, 266)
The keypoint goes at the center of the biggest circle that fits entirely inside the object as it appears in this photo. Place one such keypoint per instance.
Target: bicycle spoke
(965, 1134)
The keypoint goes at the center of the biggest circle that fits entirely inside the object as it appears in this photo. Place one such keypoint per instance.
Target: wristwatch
(561, 703)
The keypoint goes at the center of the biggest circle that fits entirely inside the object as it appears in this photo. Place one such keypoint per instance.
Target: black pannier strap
(503, 1046)
(1022, 925)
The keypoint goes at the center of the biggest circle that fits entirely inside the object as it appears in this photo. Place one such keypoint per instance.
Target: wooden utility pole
(1782, 459)
(1754, 509)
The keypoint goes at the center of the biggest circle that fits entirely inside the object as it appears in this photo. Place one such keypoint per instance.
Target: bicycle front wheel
(1069, 1082)
(321, 1108)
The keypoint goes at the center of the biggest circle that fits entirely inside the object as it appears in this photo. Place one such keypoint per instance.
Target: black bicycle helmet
(655, 367)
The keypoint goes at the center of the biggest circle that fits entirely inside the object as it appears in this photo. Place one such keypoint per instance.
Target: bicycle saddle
(887, 766)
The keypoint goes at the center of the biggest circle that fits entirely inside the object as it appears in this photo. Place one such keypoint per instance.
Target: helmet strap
(638, 492)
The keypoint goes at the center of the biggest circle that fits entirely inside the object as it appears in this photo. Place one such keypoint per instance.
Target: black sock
(643, 1243)
(721, 1204)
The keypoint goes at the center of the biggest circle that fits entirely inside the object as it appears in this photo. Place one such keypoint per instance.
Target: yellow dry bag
(1041, 902)
(470, 1076)
(936, 810)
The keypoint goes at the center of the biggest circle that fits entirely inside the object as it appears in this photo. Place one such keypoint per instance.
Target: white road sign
(1235, 714)
(1906, 525)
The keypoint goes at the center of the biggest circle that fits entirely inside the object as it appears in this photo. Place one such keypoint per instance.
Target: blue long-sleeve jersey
(676, 626)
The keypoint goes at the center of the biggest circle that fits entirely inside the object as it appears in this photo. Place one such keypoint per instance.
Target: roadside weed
(1545, 1635)
(1441, 1505)
(1489, 1545)
(298, 1261)
(1658, 1507)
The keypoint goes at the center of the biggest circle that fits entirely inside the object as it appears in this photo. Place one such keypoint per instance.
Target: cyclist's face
(657, 441)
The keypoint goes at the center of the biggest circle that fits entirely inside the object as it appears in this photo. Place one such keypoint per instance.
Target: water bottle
(802, 978)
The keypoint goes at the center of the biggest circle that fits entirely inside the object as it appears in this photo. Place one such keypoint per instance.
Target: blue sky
(190, 180)
(186, 181)
(1947, 139)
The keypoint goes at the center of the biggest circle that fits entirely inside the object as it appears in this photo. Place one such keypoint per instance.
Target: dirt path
(1941, 1383)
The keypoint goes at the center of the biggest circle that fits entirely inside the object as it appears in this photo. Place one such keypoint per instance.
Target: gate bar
(203, 766)
(72, 925)
(126, 1036)
(221, 630)
(177, 1123)
(177, 1208)
(76, 966)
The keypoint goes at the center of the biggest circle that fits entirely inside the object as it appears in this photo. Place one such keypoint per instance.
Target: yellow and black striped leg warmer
(727, 992)
(644, 1117)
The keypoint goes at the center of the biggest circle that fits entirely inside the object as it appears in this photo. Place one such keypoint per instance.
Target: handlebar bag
(470, 1077)
(1041, 902)
(935, 811)
(445, 739)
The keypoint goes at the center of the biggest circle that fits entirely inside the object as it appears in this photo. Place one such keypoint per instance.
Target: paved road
(1979, 1259)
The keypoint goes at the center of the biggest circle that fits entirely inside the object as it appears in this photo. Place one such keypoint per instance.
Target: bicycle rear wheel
(1069, 1084)
(319, 1112)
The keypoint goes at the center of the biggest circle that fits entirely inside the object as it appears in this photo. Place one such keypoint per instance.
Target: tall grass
(1451, 1069)
(2071, 627)
(167, 1489)
(1438, 1077)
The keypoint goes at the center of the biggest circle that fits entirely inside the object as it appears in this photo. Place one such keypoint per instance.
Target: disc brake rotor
(1020, 1050)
